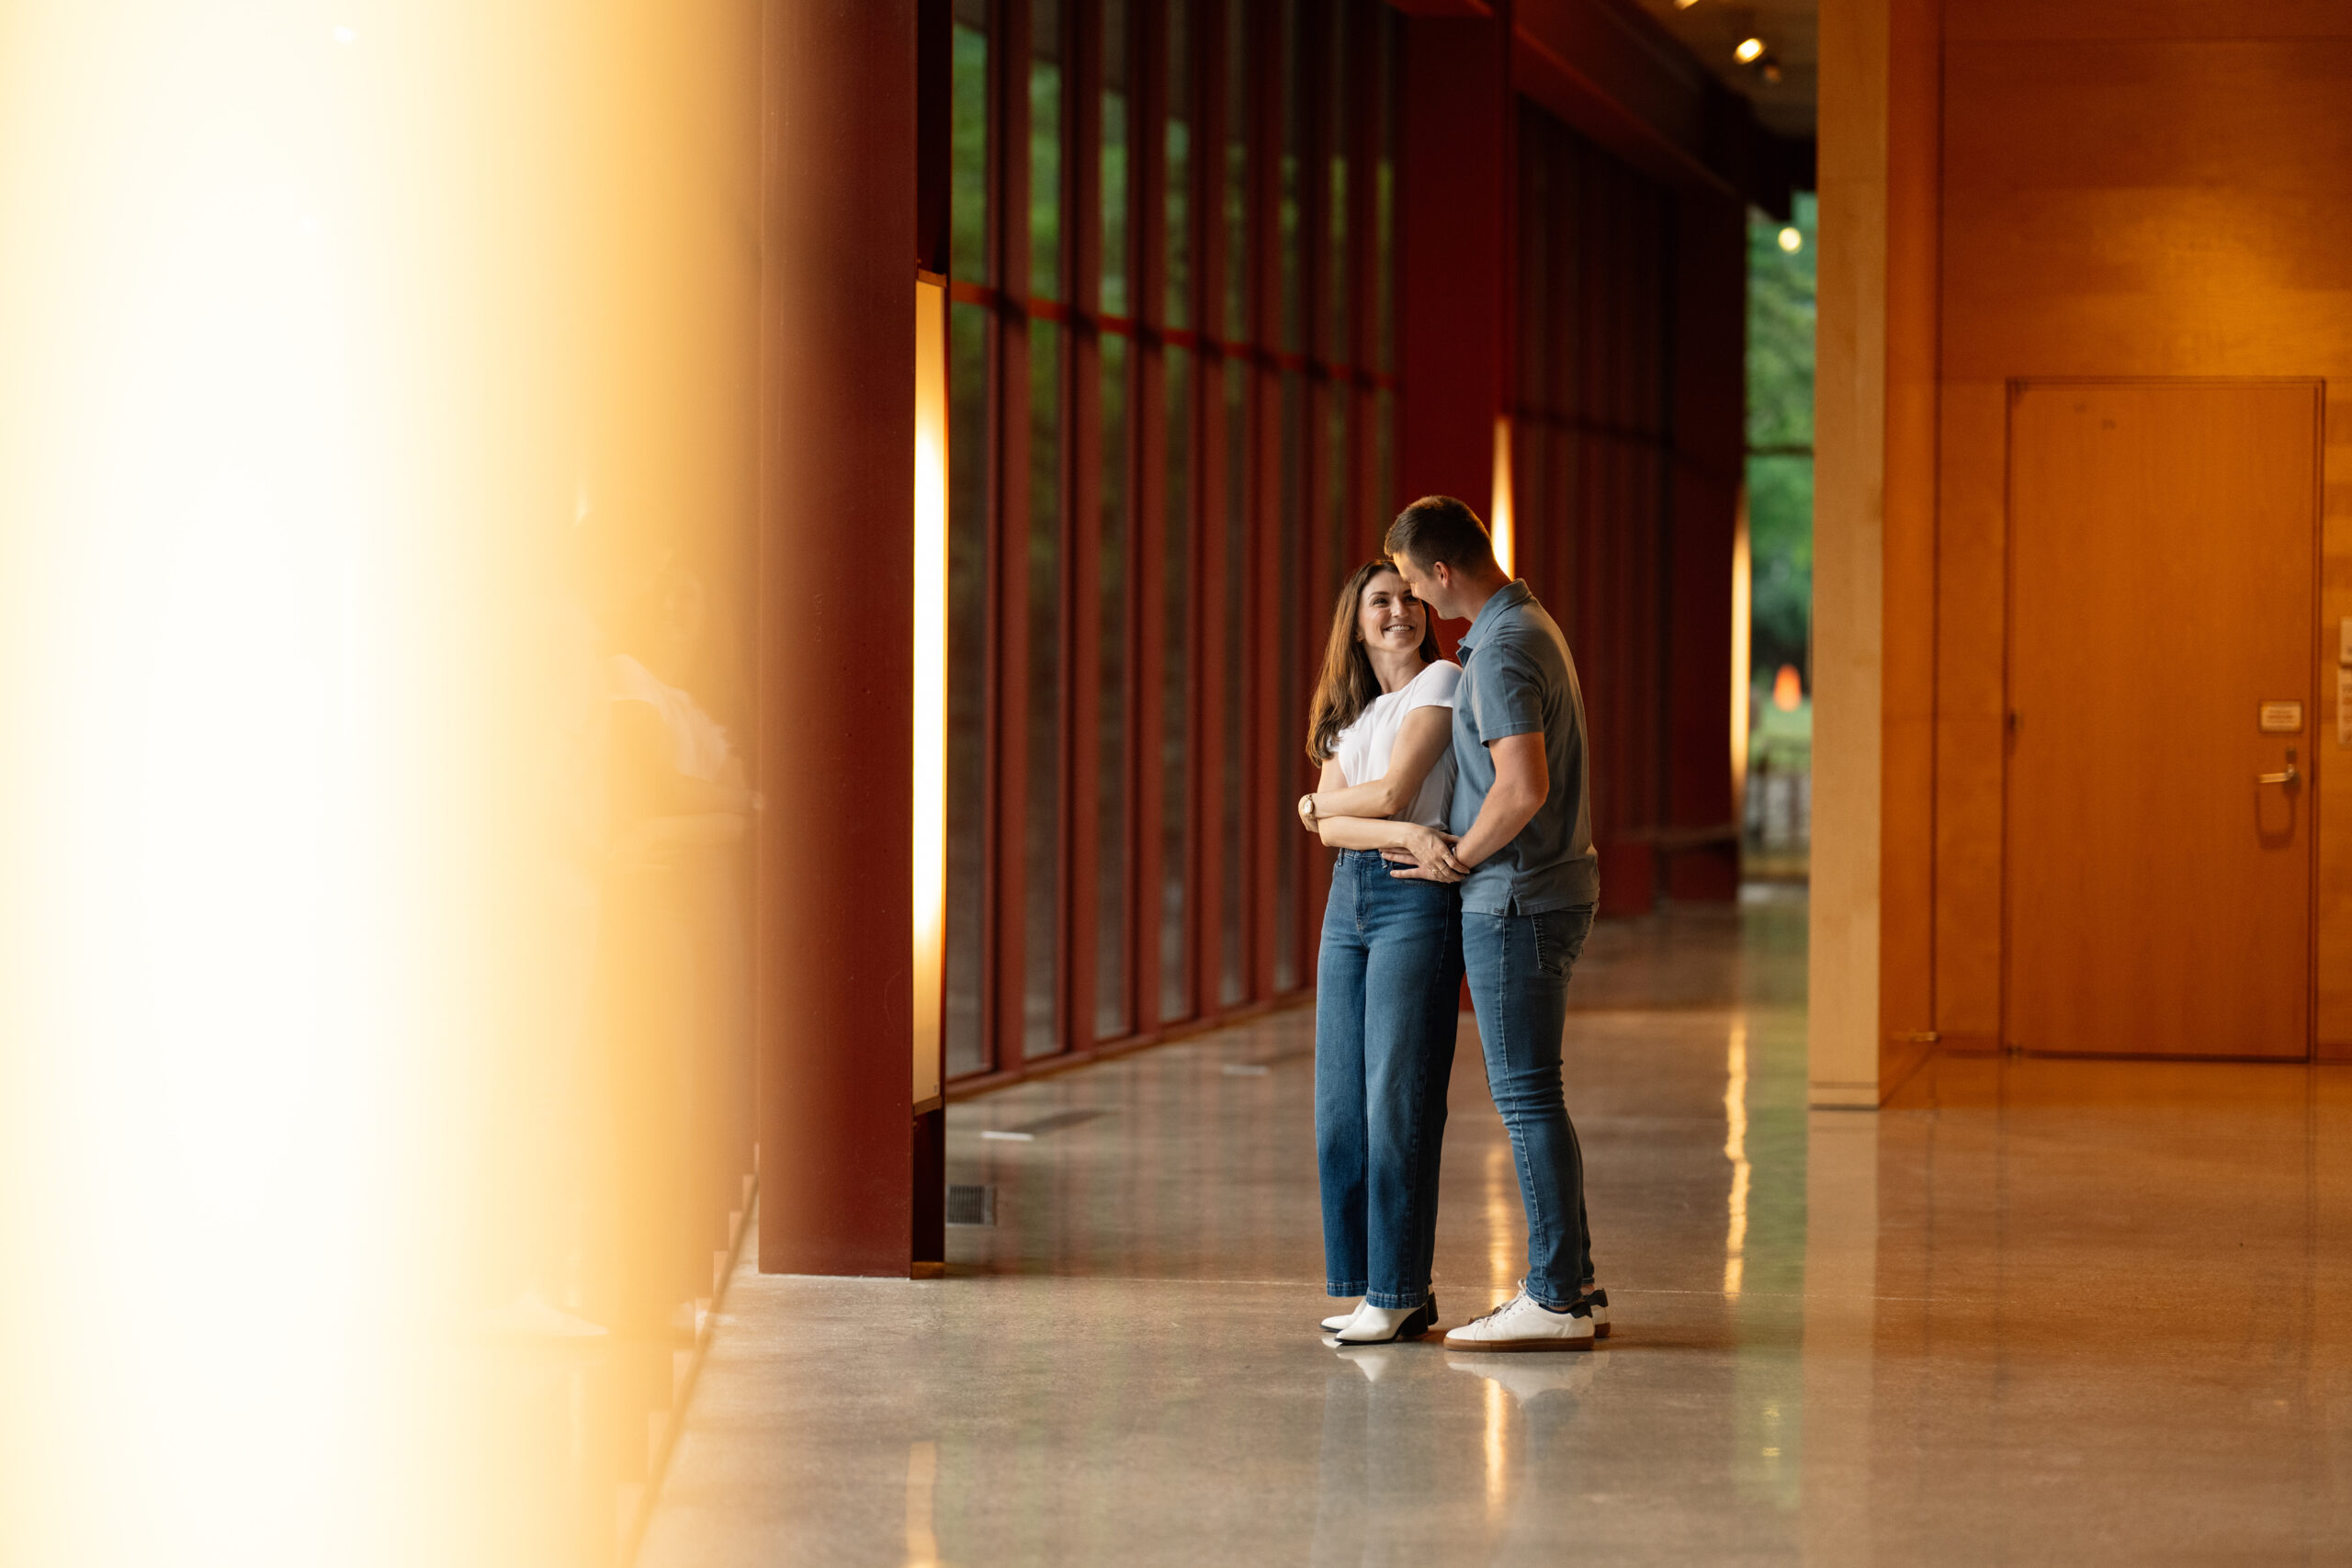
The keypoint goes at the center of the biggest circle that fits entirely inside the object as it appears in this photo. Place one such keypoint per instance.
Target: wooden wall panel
(1908, 695)
(1971, 585)
(2130, 187)
(2038, 21)
(2170, 208)
(2332, 764)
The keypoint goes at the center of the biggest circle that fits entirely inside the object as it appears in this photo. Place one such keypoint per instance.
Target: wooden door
(2161, 553)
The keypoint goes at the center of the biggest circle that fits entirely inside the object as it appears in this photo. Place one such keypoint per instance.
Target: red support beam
(1453, 311)
(1710, 438)
(835, 669)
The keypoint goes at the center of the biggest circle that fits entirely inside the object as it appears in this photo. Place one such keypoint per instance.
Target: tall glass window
(1042, 820)
(1041, 826)
(967, 545)
(1176, 654)
(1283, 368)
(1232, 985)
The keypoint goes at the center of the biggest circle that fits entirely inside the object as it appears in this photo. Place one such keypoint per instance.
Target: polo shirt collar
(1509, 596)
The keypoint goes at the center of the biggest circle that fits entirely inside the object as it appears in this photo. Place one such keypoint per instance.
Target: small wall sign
(2282, 718)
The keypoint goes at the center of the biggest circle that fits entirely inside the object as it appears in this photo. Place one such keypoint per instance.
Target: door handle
(2289, 777)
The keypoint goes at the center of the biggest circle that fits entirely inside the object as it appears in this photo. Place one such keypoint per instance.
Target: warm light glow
(1503, 1241)
(929, 826)
(1735, 1151)
(1742, 612)
(1500, 515)
(1497, 1448)
(1792, 239)
(923, 1484)
(1788, 689)
(1749, 49)
(315, 341)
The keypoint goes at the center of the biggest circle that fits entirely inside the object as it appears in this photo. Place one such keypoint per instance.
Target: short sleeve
(1433, 687)
(1510, 696)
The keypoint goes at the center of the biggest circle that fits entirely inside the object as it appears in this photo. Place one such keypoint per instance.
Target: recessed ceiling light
(1749, 50)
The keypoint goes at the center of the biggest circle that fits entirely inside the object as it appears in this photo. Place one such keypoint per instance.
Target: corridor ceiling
(1714, 30)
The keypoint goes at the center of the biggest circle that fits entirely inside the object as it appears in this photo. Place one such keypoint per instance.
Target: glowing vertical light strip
(1501, 515)
(1735, 1151)
(929, 793)
(1743, 619)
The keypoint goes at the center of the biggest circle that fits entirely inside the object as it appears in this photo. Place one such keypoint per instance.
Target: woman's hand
(1429, 849)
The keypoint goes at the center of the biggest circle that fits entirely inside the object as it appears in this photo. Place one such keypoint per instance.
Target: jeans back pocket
(1559, 939)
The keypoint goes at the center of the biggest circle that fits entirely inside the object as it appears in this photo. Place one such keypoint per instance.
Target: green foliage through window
(1780, 439)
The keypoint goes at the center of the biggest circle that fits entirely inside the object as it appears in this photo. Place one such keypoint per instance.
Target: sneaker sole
(1452, 1344)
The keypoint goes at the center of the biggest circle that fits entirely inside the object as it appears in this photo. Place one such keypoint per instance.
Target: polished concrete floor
(2058, 1313)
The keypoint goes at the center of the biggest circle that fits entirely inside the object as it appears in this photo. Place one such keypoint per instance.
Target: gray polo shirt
(1517, 679)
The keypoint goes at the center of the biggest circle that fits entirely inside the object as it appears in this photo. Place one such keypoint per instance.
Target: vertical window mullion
(1010, 221)
(1079, 697)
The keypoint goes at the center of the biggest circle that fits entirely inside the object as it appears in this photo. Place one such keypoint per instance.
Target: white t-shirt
(1363, 748)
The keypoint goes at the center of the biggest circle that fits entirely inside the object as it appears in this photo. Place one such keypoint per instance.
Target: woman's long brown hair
(1349, 685)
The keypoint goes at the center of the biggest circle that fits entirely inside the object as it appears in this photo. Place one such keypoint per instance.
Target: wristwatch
(1307, 809)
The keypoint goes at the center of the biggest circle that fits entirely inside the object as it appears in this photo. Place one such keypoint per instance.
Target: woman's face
(1389, 617)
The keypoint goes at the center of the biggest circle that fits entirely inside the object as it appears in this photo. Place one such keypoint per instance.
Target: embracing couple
(1457, 796)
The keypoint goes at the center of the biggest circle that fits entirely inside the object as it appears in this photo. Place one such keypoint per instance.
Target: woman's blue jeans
(1387, 1003)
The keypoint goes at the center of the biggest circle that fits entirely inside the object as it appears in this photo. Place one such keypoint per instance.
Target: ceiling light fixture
(1749, 50)
(1791, 239)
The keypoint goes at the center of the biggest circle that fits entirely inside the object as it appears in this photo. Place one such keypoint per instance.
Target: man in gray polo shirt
(1522, 822)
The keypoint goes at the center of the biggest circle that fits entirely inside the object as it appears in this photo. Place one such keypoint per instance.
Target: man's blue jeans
(1386, 1006)
(1518, 967)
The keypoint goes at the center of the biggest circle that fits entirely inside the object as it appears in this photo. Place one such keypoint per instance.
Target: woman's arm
(1426, 732)
(1424, 844)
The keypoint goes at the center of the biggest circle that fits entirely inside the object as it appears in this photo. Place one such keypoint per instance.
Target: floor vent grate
(971, 1205)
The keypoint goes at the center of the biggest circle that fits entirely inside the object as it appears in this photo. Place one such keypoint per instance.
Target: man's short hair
(1438, 528)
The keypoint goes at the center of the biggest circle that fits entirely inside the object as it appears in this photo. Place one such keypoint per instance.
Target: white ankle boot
(1384, 1325)
(1334, 1324)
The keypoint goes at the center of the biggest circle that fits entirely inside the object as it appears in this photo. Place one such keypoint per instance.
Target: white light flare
(930, 825)
(1501, 515)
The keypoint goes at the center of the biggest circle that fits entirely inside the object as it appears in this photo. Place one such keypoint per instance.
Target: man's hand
(1432, 858)
(1424, 847)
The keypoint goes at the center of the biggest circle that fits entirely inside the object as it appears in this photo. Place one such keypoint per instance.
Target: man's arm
(1523, 783)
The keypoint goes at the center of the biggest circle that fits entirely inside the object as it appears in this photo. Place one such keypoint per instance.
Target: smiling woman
(376, 476)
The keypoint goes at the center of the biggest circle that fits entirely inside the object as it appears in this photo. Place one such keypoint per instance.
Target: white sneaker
(1598, 1300)
(1522, 1324)
(1429, 1315)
